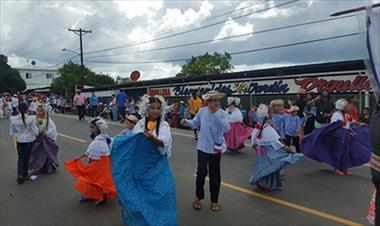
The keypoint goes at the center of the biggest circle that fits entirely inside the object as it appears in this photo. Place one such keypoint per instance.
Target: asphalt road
(311, 195)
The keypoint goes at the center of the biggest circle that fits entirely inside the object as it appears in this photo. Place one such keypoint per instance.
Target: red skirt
(94, 179)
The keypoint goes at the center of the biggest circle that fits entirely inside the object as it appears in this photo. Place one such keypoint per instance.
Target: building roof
(35, 69)
(262, 73)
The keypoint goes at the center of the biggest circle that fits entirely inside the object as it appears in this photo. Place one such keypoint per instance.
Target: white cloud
(285, 11)
(231, 28)
(247, 67)
(160, 70)
(138, 8)
(16, 61)
(141, 34)
(175, 18)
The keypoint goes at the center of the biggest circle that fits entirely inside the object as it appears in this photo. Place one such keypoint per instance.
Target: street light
(71, 51)
(81, 65)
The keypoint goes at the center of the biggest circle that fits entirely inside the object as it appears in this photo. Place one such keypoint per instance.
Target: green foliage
(120, 80)
(207, 64)
(10, 79)
(70, 77)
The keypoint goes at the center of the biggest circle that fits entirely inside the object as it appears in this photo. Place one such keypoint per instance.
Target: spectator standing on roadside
(121, 99)
(80, 102)
(301, 103)
(94, 102)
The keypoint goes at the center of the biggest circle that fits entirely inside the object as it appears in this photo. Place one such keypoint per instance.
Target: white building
(37, 77)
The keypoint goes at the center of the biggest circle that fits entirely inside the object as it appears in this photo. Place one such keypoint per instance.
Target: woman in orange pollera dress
(94, 180)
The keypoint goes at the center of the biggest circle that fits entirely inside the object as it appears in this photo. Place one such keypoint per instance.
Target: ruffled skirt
(93, 180)
(269, 163)
(144, 182)
(44, 155)
(237, 135)
(337, 146)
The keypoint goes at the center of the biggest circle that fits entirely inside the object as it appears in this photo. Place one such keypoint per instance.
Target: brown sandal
(215, 207)
(197, 205)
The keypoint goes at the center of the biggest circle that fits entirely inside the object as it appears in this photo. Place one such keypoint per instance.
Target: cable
(68, 59)
(192, 30)
(234, 53)
(228, 37)
(190, 25)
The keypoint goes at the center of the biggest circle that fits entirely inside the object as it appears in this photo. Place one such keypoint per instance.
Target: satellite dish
(135, 75)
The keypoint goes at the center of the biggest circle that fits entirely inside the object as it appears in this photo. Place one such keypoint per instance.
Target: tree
(120, 80)
(207, 64)
(10, 79)
(70, 77)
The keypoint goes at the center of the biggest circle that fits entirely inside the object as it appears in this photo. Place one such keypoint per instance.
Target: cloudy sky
(125, 32)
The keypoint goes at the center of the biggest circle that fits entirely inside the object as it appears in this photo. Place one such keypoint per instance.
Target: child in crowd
(24, 130)
(33, 106)
(181, 110)
(238, 132)
(253, 119)
(272, 155)
(94, 180)
(44, 157)
(141, 170)
(129, 122)
(292, 128)
(277, 117)
(213, 124)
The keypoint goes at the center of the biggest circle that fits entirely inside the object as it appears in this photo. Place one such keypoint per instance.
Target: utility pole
(80, 32)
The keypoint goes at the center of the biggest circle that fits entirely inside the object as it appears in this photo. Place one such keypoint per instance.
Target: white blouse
(234, 116)
(98, 147)
(23, 133)
(269, 137)
(52, 129)
(164, 135)
(337, 116)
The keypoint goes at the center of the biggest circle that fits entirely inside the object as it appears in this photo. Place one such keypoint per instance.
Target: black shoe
(20, 180)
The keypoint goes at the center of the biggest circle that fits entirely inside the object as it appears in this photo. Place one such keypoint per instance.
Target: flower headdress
(340, 104)
(144, 106)
(100, 123)
(262, 111)
(231, 100)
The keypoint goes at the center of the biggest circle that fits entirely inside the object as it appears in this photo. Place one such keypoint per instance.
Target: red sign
(135, 75)
(162, 92)
(360, 83)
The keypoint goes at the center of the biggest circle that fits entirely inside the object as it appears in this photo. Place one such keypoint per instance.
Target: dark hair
(151, 101)
(194, 94)
(23, 109)
(261, 127)
(377, 108)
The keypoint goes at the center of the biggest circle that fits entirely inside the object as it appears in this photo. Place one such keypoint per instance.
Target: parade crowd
(133, 166)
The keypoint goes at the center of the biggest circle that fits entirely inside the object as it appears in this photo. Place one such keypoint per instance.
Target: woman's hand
(148, 134)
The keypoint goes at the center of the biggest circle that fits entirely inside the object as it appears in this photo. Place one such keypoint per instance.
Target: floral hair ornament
(262, 111)
(233, 100)
(100, 123)
(144, 106)
(340, 104)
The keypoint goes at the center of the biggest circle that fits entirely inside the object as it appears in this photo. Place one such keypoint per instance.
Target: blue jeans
(94, 111)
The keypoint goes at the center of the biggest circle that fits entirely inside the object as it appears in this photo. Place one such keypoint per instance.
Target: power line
(195, 29)
(68, 59)
(228, 37)
(190, 25)
(234, 53)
